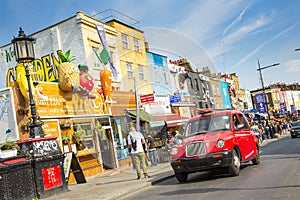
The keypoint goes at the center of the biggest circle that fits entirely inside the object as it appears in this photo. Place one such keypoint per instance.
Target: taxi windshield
(208, 124)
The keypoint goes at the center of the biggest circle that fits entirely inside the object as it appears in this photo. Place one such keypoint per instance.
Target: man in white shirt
(137, 148)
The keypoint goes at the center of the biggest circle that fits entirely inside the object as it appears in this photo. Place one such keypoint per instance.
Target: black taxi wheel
(256, 160)
(234, 168)
(181, 176)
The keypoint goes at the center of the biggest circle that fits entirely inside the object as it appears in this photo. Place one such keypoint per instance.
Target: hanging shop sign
(175, 99)
(148, 98)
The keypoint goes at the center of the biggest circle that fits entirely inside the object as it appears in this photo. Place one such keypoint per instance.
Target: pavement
(115, 183)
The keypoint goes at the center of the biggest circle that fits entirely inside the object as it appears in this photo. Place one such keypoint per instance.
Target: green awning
(144, 116)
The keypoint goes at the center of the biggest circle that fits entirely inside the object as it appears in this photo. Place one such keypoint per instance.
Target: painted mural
(200, 85)
(72, 93)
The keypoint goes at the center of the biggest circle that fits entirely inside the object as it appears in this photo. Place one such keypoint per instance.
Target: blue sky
(229, 36)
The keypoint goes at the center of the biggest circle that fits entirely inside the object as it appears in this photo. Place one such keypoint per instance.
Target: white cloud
(237, 19)
(292, 66)
(205, 20)
(262, 45)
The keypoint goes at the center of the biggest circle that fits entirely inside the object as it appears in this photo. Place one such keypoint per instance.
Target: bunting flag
(102, 36)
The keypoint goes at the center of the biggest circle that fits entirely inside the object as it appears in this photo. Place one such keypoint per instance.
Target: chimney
(147, 46)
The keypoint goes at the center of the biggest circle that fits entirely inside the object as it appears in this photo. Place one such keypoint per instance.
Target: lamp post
(136, 94)
(24, 52)
(262, 82)
(47, 165)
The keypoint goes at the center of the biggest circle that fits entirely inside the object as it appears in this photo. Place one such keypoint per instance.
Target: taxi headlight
(177, 141)
(220, 143)
(174, 151)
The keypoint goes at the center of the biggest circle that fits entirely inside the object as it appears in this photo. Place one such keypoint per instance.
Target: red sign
(148, 98)
(51, 177)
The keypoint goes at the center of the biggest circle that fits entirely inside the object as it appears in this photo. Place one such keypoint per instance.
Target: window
(112, 55)
(84, 135)
(125, 41)
(129, 70)
(136, 44)
(197, 85)
(141, 72)
(166, 78)
(214, 90)
(155, 74)
(95, 53)
(244, 122)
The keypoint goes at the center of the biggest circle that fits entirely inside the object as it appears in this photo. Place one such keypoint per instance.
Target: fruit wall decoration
(68, 73)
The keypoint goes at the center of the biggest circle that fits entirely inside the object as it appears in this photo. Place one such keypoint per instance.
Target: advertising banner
(225, 95)
(260, 102)
(283, 109)
(293, 109)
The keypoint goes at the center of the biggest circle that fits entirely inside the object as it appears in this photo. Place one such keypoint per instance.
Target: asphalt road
(277, 177)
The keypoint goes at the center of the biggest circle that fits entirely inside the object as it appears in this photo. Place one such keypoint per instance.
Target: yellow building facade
(132, 58)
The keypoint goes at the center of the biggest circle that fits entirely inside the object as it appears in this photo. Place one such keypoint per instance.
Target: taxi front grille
(195, 148)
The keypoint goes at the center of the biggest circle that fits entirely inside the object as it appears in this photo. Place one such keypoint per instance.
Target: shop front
(82, 125)
(122, 101)
(173, 122)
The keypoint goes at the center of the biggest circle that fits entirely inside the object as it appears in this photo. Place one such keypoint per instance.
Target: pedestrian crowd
(268, 129)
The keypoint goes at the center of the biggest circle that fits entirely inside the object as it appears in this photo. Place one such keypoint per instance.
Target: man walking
(137, 148)
(152, 150)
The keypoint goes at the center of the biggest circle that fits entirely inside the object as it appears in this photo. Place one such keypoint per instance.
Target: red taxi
(214, 139)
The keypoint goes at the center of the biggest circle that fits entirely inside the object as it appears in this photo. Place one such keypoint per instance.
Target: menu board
(8, 122)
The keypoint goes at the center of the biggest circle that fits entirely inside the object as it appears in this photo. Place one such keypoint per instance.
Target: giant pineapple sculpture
(68, 73)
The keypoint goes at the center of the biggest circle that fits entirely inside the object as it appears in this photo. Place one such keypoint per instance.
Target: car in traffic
(295, 129)
(214, 139)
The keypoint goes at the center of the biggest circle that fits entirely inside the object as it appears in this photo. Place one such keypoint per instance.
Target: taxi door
(245, 137)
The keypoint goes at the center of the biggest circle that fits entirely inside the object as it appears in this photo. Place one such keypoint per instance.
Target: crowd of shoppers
(267, 129)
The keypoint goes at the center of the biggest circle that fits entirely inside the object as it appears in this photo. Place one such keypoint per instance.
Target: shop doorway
(107, 148)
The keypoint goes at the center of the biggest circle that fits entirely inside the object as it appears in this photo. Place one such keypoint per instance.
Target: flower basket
(8, 149)
(66, 139)
(8, 153)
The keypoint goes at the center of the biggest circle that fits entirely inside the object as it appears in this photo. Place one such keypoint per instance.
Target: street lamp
(24, 52)
(262, 82)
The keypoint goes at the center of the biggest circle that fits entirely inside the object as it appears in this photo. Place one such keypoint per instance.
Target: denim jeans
(153, 157)
(140, 161)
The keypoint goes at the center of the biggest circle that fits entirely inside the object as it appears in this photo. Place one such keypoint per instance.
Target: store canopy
(172, 119)
(144, 116)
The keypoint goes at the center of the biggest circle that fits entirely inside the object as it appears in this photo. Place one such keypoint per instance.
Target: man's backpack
(133, 142)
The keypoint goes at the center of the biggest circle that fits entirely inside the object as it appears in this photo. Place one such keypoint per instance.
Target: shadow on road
(209, 190)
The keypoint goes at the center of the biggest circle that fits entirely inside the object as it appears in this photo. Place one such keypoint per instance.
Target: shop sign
(8, 120)
(51, 127)
(148, 98)
(175, 99)
(51, 177)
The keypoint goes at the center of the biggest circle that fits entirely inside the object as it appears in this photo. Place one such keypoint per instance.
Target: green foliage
(65, 57)
(8, 145)
(79, 134)
(83, 68)
(66, 137)
(98, 125)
